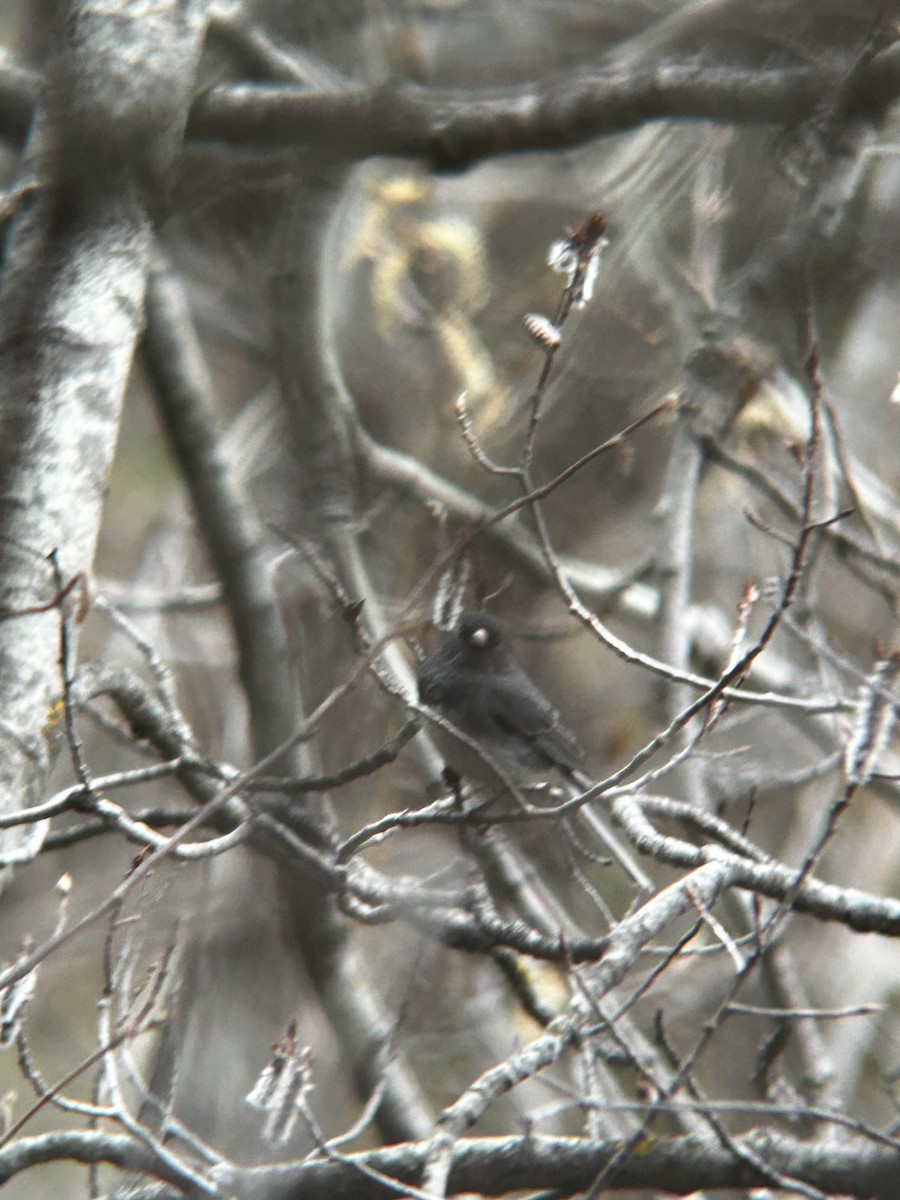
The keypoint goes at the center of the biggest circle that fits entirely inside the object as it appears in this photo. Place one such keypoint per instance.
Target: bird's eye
(479, 637)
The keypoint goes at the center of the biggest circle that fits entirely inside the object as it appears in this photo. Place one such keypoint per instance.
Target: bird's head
(479, 632)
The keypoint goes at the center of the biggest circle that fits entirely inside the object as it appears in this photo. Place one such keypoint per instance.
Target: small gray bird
(507, 731)
(505, 720)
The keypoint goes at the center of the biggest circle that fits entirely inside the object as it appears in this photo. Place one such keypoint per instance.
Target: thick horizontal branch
(86, 1147)
(496, 1166)
(852, 907)
(453, 129)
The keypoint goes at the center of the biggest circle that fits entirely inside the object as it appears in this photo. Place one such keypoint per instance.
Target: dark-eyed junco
(505, 721)
(502, 730)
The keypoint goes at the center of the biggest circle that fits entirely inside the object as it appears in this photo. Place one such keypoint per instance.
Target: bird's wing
(518, 707)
